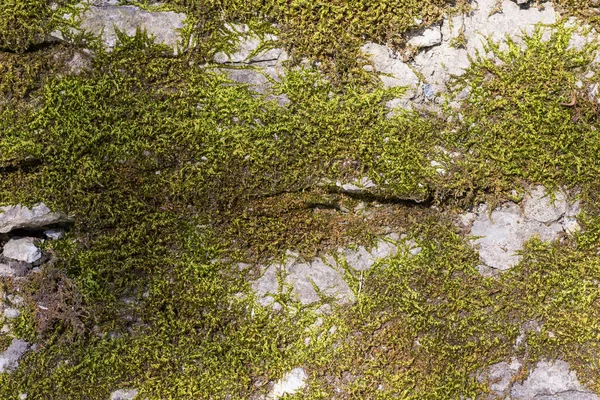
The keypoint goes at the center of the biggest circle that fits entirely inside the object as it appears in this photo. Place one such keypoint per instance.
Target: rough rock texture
(552, 380)
(12, 269)
(464, 36)
(446, 48)
(246, 64)
(23, 249)
(392, 72)
(502, 234)
(165, 26)
(9, 359)
(290, 383)
(21, 217)
(324, 276)
(123, 394)
(549, 380)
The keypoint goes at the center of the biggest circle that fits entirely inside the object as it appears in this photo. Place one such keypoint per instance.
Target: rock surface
(9, 359)
(392, 71)
(549, 380)
(502, 234)
(23, 249)
(552, 380)
(164, 26)
(290, 383)
(124, 394)
(324, 276)
(21, 217)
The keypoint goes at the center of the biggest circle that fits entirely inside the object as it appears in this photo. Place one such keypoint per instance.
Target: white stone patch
(324, 276)
(54, 234)
(21, 217)
(429, 37)
(502, 234)
(23, 249)
(16, 269)
(392, 72)
(290, 383)
(549, 379)
(124, 394)
(359, 186)
(164, 26)
(438, 63)
(9, 359)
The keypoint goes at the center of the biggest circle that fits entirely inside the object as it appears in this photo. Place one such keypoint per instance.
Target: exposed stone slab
(551, 379)
(501, 234)
(124, 394)
(393, 72)
(23, 249)
(290, 383)
(9, 359)
(21, 217)
(164, 26)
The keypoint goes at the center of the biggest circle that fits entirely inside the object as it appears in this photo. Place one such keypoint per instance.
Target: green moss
(517, 124)
(24, 23)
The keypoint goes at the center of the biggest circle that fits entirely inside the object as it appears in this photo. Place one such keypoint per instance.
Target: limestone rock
(427, 38)
(393, 72)
(541, 208)
(502, 234)
(551, 380)
(290, 383)
(246, 48)
(165, 26)
(23, 249)
(54, 234)
(21, 217)
(499, 376)
(124, 394)
(12, 269)
(9, 359)
(465, 35)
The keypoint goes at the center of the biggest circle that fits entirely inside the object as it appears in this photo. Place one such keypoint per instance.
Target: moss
(24, 23)
(517, 124)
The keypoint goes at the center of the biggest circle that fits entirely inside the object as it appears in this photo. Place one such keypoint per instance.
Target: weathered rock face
(393, 72)
(102, 20)
(326, 273)
(549, 380)
(249, 65)
(23, 249)
(502, 233)
(124, 394)
(290, 383)
(552, 380)
(9, 359)
(20, 217)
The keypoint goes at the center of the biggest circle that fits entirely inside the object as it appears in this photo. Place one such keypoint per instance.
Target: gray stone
(54, 234)
(20, 217)
(503, 233)
(569, 395)
(13, 269)
(393, 72)
(498, 376)
(359, 186)
(124, 394)
(290, 383)
(11, 313)
(437, 64)
(246, 48)
(23, 249)
(550, 379)
(307, 278)
(9, 359)
(164, 26)
(539, 206)
(427, 38)
(267, 285)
